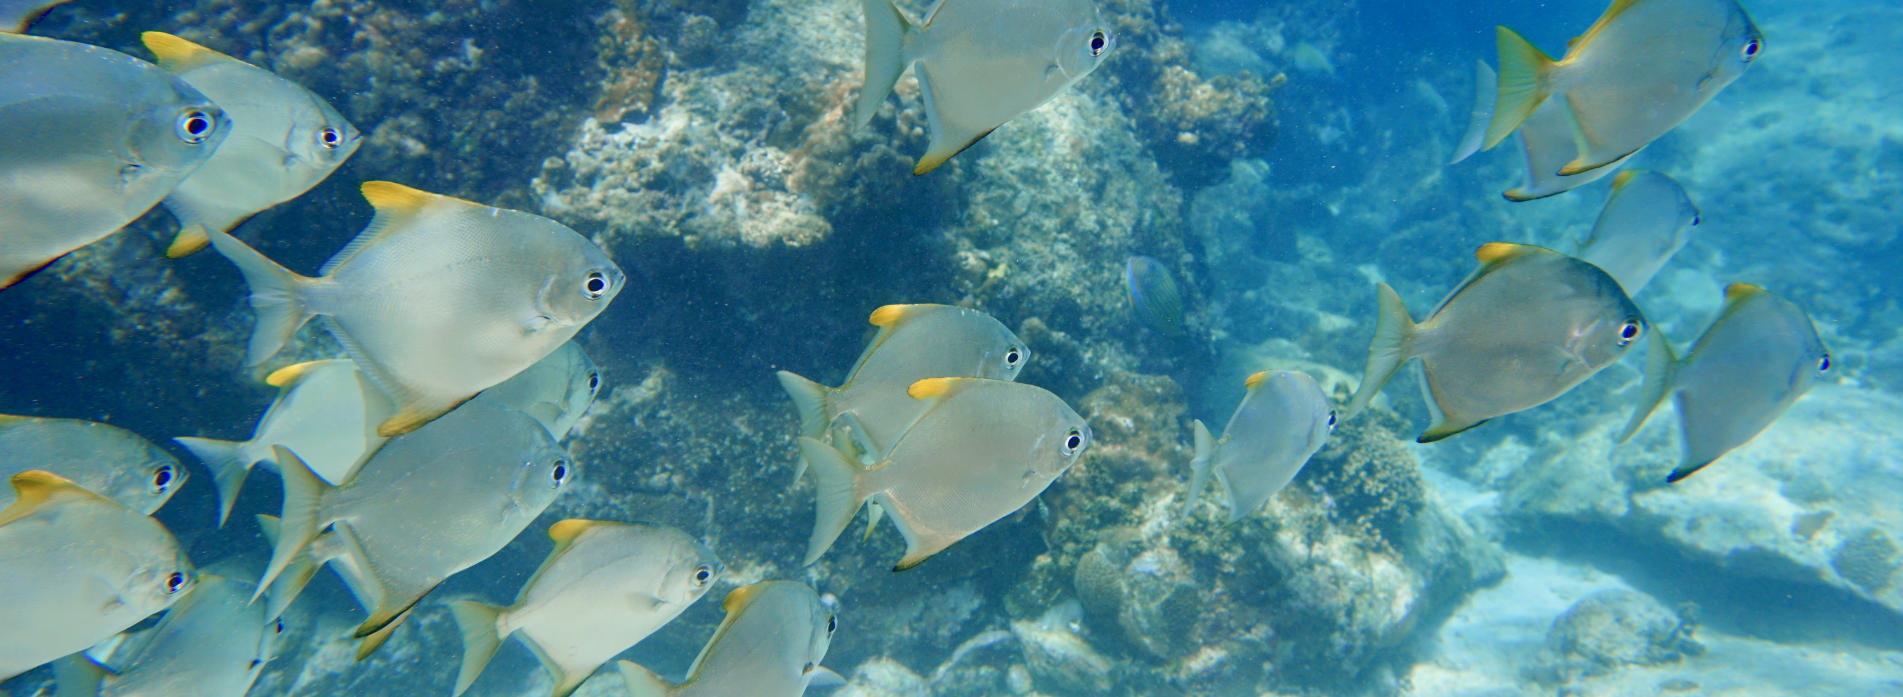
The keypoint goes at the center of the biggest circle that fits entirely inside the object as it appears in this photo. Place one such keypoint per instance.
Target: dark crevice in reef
(1768, 608)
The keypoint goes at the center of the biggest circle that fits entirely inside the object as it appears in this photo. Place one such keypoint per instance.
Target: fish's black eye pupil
(832, 624)
(560, 473)
(594, 380)
(162, 477)
(1074, 441)
(174, 582)
(1823, 364)
(595, 285)
(1695, 220)
(1751, 49)
(1331, 418)
(1012, 357)
(702, 574)
(1097, 42)
(331, 138)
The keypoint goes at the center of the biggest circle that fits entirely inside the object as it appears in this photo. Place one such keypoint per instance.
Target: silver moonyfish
(15, 15)
(437, 299)
(981, 449)
(284, 140)
(769, 645)
(605, 587)
(1154, 296)
(326, 411)
(427, 505)
(1642, 68)
(106, 460)
(214, 642)
(1546, 143)
(94, 138)
(1758, 357)
(980, 62)
(1522, 329)
(871, 408)
(557, 390)
(77, 568)
(1282, 420)
(1647, 219)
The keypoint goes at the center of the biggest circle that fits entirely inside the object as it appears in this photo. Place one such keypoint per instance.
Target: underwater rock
(1811, 500)
(1612, 629)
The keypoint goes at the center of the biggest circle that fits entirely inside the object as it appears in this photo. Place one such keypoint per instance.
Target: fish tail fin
(291, 581)
(641, 681)
(477, 620)
(1523, 84)
(836, 485)
(1393, 334)
(810, 399)
(1199, 466)
(303, 493)
(228, 464)
(191, 238)
(886, 28)
(1486, 94)
(1661, 366)
(275, 296)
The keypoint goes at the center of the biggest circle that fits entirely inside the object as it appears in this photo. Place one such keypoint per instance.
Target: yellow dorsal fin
(1619, 180)
(565, 531)
(739, 598)
(1494, 252)
(176, 54)
(391, 197)
(295, 373)
(933, 387)
(1740, 291)
(34, 488)
(889, 315)
(1256, 379)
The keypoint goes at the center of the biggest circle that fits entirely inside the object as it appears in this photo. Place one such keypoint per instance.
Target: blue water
(1388, 568)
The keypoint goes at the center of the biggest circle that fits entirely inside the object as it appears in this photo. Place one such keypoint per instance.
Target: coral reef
(1612, 629)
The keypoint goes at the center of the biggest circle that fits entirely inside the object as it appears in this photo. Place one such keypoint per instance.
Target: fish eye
(1331, 418)
(559, 474)
(594, 381)
(832, 624)
(1750, 49)
(1097, 43)
(702, 575)
(175, 582)
(1073, 442)
(595, 286)
(161, 479)
(1629, 331)
(277, 627)
(1696, 219)
(193, 126)
(1823, 364)
(1012, 356)
(330, 138)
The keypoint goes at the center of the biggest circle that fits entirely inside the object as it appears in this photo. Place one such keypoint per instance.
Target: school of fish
(435, 440)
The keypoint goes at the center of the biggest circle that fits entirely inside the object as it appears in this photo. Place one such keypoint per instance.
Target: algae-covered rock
(1613, 629)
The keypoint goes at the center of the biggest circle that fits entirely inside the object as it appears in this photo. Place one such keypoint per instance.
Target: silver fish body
(427, 505)
(326, 412)
(1754, 362)
(77, 568)
(1647, 219)
(1282, 421)
(1524, 328)
(93, 139)
(980, 62)
(1546, 143)
(438, 298)
(557, 390)
(604, 588)
(213, 643)
(871, 408)
(106, 460)
(1636, 73)
(284, 140)
(981, 450)
(770, 644)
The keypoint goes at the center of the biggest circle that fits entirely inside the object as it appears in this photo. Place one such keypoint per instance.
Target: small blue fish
(1154, 296)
